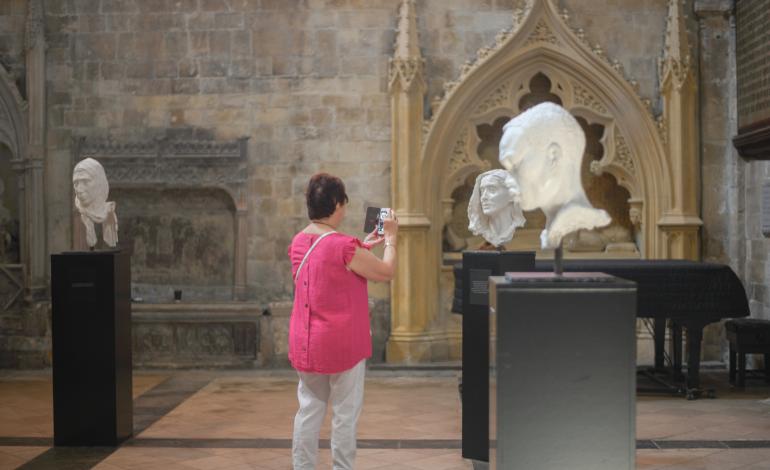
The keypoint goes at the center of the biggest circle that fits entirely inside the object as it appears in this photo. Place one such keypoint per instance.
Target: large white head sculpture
(492, 210)
(543, 149)
(91, 190)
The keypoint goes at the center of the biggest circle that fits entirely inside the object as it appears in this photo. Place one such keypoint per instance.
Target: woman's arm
(366, 264)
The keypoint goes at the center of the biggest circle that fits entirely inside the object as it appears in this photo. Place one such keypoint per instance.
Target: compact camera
(384, 214)
(374, 219)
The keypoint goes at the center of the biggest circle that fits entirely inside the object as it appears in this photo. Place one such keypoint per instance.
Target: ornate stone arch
(655, 160)
(589, 86)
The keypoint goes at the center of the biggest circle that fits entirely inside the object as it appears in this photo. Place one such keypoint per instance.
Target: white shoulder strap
(312, 247)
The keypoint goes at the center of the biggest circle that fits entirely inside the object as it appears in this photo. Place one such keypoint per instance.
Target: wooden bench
(747, 336)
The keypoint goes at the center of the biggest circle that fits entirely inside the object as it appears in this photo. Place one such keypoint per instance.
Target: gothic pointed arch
(648, 163)
(587, 84)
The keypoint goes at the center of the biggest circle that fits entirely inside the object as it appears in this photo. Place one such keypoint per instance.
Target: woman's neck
(323, 225)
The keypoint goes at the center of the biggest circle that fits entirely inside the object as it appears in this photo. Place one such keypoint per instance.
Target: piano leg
(767, 368)
(732, 366)
(659, 332)
(694, 337)
(676, 350)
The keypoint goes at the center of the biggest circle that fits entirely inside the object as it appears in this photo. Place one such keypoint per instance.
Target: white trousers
(345, 392)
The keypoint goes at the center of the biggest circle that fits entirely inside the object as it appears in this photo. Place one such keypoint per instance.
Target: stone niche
(181, 208)
(181, 239)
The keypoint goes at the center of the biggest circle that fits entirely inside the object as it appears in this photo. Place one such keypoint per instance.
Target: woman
(329, 335)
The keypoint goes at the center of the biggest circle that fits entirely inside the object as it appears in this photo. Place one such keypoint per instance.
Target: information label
(479, 286)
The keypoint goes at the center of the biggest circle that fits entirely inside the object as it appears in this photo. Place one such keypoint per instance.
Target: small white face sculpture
(492, 210)
(91, 190)
(494, 195)
(543, 149)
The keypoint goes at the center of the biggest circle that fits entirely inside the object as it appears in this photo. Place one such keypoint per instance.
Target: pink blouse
(329, 326)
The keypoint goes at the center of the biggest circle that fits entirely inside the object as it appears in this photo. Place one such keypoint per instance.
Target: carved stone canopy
(172, 163)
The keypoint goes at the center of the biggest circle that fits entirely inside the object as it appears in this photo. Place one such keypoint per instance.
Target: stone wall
(306, 82)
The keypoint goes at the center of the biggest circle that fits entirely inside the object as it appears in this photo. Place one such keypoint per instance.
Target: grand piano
(688, 294)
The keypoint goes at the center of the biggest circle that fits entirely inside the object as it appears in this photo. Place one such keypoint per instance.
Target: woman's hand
(390, 227)
(373, 239)
(366, 264)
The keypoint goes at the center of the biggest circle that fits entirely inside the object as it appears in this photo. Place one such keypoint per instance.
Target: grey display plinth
(562, 385)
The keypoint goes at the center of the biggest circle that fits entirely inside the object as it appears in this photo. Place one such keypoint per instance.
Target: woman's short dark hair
(324, 192)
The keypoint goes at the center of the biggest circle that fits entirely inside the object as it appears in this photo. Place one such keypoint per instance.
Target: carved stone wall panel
(195, 343)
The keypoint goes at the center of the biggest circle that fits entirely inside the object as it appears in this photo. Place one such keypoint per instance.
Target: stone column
(721, 166)
(33, 230)
(412, 291)
(678, 82)
(720, 161)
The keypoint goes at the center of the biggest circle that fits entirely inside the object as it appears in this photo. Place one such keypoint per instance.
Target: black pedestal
(477, 267)
(91, 319)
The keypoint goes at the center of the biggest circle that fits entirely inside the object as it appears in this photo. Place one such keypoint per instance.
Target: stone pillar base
(424, 348)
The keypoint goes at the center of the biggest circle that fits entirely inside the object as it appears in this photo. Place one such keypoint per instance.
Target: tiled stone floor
(242, 420)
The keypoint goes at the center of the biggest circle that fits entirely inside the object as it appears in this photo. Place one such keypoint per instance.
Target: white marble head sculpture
(91, 190)
(543, 149)
(493, 212)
